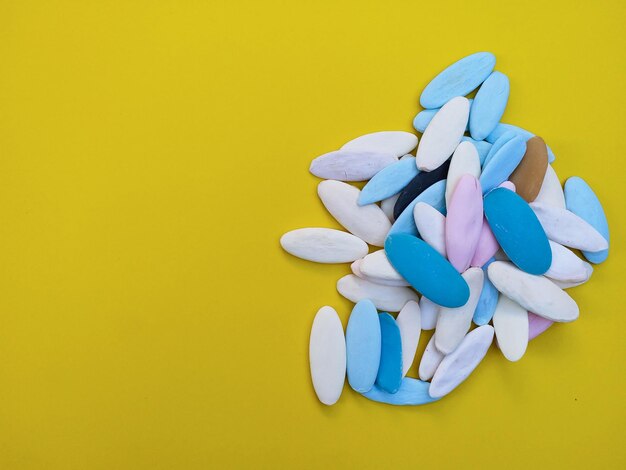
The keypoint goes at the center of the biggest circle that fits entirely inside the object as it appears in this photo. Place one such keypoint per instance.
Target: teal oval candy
(389, 181)
(486, 306)
(433, 196)
(518, 231)
(503, 163)
(411, 392)
(582, 201)
(458, 79)
(363, 345)
(390, 368)
(489, 105)
(426, 270)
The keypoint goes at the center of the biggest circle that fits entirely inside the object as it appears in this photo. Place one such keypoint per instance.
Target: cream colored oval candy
(431, 225)
(409, 323)
(537, 294)
(369, 222)
(465, 161)
(454, 323)
(323, 245)
(431, 359)
(387, 298)
(430, 312)
(443, 134)
(327, 355)
(510, 321)
(551, 192)
(377, 267)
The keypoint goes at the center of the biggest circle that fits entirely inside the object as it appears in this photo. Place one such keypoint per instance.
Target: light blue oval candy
(411, 392)
(390, 368)
(489, 105)
(518, 231)
(582, 201)
(426, 270)
(482, 147)
(433, 196)
(503, 163)
(424, 117)
(486, 306)
(363, 345)
(458, 79)
(497, 145)
(388, 181)
(502, 128)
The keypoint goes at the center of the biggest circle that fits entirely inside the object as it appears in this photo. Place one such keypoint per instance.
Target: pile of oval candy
(479, 225)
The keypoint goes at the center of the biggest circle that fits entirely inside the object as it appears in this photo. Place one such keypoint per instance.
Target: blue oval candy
(426, 270)
(582, 201)
(482, 147)
(411, 392)
(363, 345)
(486, 306)
(518, 231)
(390, 368)
(433, 196)
(423, 118)
(502, 128)
(388, 181)
(497, 145)
(489, 105)
(458, 79)
(503, 163)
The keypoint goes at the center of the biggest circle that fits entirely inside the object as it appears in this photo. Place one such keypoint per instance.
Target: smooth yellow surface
(152, 153)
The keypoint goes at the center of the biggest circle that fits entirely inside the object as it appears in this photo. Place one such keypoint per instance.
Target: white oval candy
(465, 161)
(409, 323)
(431, 359)
(566, 266)
(456, 367)
(430, 312)
(397, 143)
(387, 206)
(327, 355)
(443, 134)
(537, 294)
(368, 222)
(377, 267)
(551, 192)
(510, 321)
(566, 228)
(387, 298)
(431, 225)
(323, 245)
(453, 323)
(570, 284)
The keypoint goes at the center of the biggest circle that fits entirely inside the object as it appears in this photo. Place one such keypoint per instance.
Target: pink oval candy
(464, 222)
(537, 325)
(487, 243)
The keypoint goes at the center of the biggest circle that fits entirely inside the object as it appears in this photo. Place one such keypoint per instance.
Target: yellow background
(152, 153)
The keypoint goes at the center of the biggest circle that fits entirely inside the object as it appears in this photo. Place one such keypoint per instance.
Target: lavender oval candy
(396, 142)
(582, 201)
(458, 79)
(489, 105)
(350, 165)
(464, 222)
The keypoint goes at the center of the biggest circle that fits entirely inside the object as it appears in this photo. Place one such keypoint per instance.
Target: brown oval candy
(529, 174)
